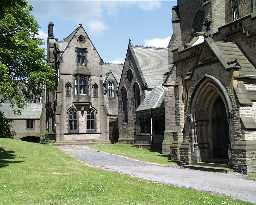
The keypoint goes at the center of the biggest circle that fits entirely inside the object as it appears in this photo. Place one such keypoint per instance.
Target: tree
(23, 68)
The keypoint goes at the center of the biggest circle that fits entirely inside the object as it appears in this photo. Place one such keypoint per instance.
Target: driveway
(231, 184)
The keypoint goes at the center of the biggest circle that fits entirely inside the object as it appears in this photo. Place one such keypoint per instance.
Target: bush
(5, 128)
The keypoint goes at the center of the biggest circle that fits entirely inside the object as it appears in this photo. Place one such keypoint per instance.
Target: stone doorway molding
(205, 140)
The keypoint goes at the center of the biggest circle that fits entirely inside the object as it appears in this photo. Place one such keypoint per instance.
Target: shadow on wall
(7, 157)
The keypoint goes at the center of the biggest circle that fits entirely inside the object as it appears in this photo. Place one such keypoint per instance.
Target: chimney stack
(50, 30)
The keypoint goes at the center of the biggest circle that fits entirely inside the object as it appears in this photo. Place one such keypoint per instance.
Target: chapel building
(210, 111)
(141, 115)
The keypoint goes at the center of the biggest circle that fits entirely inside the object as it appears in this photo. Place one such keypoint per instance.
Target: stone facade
(83, 105)
(28, 123)
(141, 106)
(210, 104)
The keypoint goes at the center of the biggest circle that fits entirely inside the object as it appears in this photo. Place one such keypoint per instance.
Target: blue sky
(109, 24)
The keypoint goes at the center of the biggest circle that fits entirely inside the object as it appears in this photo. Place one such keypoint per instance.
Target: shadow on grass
(7, 157)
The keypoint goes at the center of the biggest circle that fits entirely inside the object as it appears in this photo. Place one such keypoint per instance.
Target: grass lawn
(34, 174)
(252, 176)
(133, 152)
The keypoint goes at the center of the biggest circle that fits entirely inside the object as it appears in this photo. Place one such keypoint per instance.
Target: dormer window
(81, 85)
(81, 56)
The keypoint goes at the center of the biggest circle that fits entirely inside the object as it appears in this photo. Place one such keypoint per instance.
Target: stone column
(170, 123)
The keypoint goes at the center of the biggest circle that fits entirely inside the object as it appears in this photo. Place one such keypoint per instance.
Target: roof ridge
(149, 47)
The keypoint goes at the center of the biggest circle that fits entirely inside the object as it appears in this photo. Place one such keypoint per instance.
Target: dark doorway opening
(220, 131)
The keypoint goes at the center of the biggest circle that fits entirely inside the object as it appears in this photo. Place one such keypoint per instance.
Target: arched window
(81, 85)
(129, 75)
(124, 105)
(111, 89)
(95, 90)
(198, 21)
(81, 56)
(68, 87)
(72, 121)
(136, 92)
(253, 5)
(91, 121)
(235, 9)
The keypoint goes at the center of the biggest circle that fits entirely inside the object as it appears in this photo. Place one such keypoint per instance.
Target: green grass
(133, 152)
(34, 174)
(252, 176)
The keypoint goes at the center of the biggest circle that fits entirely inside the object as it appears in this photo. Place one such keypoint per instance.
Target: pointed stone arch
(210, 122)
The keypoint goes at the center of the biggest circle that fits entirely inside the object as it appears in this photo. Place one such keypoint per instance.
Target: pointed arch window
(95, 90)
(124, 105)
(136, 92)
(111, 89)
(253, 6)
(91, 121)
(235, 9)
(68, 87)
(73, 120)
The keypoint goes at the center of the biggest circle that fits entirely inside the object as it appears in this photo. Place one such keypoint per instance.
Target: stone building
(84, 104)
(141, 96)
(210, 100)
(26, 124)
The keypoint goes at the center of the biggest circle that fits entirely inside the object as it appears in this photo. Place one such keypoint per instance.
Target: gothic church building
(211, 98)
(84, 104)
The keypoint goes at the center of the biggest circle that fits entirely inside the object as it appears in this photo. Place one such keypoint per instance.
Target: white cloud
(83, 11)
(149, 5)
(157, 42)
(43, 35)
(97, 26)
(117, 61)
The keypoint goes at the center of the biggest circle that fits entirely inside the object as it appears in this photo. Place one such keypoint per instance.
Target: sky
(109, 24)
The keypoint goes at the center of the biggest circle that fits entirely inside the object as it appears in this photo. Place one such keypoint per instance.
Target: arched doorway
(210, 134)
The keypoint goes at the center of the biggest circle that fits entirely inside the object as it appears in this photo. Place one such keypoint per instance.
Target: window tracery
(91, 121)
(72, 120)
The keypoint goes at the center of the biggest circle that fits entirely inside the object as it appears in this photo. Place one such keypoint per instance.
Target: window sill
(91, 131)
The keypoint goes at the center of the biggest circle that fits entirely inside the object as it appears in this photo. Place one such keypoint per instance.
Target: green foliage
(44, 138)
(42, 174)
(5, 129)
(23, 68)
(252, 176)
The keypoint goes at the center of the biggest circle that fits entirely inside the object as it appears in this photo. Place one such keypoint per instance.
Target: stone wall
(127, 130)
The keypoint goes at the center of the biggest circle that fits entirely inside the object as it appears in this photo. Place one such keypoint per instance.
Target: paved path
(234, 185)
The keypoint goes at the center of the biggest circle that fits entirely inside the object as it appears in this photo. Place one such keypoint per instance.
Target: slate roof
(231, 56)
(248, 123)
(153, 99)
(30, 111)
(115, 69)
(62, 45)
(153, 64)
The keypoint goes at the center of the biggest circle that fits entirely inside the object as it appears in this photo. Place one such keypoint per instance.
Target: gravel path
(234, 185)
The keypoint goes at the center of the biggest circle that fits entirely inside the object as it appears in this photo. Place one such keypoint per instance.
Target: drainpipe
(151, 127)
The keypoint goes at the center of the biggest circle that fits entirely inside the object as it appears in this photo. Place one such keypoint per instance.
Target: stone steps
(210, 167)
(80, 142)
